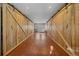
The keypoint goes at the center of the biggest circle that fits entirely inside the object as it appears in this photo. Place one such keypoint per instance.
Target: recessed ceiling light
(49, 7)
(27, 8)
(37, 17)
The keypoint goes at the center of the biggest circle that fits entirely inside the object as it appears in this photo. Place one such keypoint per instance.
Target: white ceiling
(38, 12)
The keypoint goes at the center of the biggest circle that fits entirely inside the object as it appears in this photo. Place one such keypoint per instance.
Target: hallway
(50, 29)
(38, 44)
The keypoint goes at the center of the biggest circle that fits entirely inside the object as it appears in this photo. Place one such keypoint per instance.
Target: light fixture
(37, 17)
(49, 7)
(27, 8)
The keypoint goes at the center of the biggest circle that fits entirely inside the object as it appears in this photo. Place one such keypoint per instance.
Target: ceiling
(38, 12)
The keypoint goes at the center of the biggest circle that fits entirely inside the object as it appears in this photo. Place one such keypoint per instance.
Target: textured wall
(15, 28)
(64, 28)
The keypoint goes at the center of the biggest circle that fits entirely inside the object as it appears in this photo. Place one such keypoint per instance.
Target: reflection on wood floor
(38, 44)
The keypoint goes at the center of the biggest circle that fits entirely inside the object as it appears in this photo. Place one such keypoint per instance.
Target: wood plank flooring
(38, 44)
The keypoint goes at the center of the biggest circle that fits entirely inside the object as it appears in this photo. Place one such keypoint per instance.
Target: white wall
(39, 27)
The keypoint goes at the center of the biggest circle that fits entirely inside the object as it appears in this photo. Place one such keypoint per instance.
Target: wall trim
(60, 34)
(60, 45)
(62, 8)
(19, 11)
(17, 45)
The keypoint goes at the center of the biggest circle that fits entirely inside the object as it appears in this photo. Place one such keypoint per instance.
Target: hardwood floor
(38, 44)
